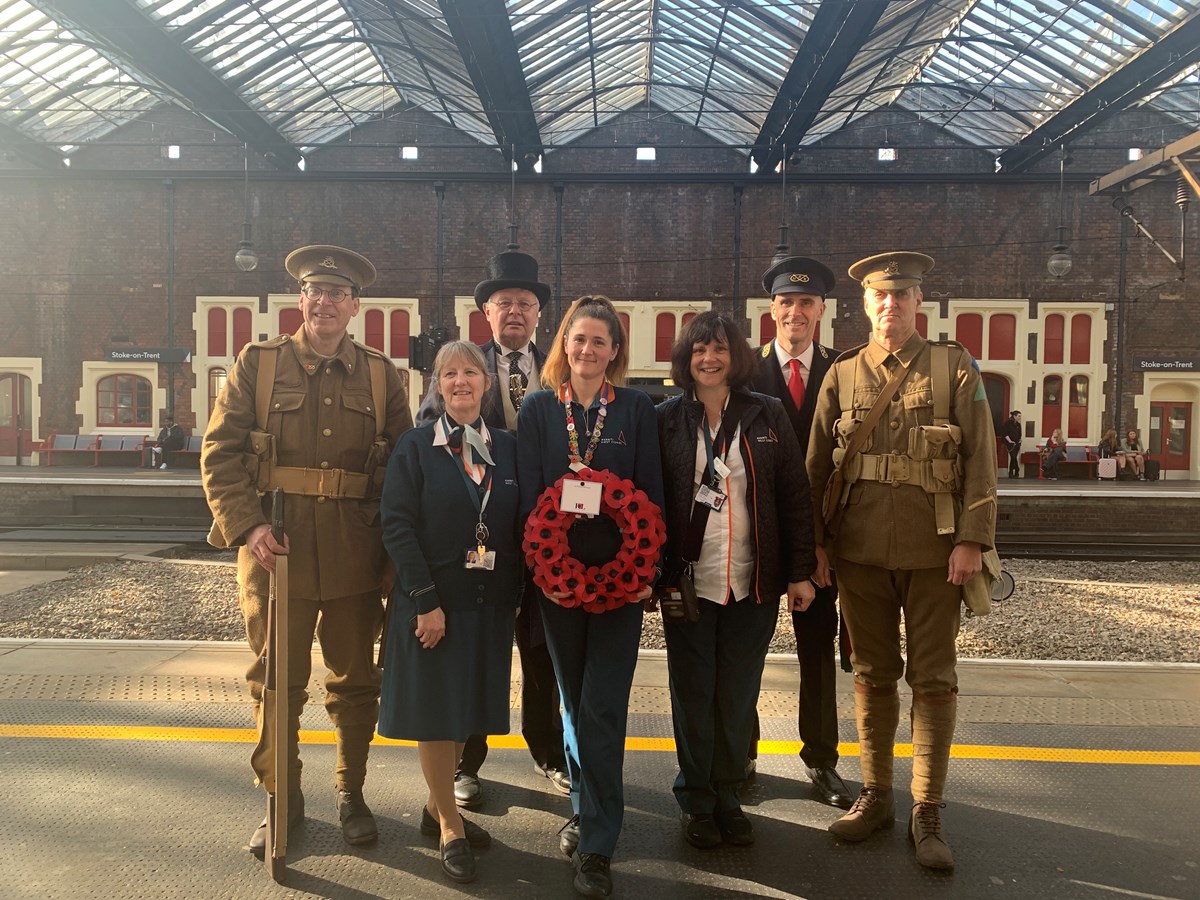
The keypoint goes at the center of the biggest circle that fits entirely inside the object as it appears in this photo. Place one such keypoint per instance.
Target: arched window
(399, 342)
(243, 323)
(664, 336)
(123, 400)
(1054, 340)
(968, 331)
(373, 326)
(1081, 339)
(1002, 337)
(1077, 415)
(624, 317)
(687, 317)
(290, 320)
(923, 325)
(1051, 404)
(218, 338)
(216, 384)
(766, 328)
(478, 330)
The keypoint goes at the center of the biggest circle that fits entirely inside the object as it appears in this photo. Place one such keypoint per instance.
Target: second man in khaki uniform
(905, 533)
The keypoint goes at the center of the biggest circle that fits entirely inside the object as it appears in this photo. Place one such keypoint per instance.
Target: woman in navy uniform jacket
(730, 454)
(449, 512)
(613, 429)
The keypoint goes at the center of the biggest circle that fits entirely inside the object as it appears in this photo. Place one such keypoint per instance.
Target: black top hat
(798, 275)
(511, 269)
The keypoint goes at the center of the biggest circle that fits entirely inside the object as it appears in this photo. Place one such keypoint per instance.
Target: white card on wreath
(582, 498)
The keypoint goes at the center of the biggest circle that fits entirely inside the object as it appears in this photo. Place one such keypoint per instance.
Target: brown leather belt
(336, 484)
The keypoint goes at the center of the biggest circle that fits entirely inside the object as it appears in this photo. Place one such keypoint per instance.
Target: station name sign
(161, 355)
(1179, 364)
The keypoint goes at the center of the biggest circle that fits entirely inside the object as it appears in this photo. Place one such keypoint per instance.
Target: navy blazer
(493, 408)
(769, 380)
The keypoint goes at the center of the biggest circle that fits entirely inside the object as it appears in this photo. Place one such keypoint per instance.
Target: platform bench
(121, 449)
(1080, 462)
(65, 449)
(189, 456)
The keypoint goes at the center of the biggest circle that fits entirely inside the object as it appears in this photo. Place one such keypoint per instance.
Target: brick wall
(86, 261)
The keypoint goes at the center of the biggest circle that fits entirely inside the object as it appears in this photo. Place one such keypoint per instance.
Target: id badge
(487, 561)
(581, 498)
(713, 499)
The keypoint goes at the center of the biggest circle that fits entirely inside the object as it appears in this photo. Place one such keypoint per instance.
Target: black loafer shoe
(458, 862)
(558, 778)
(258, 840)
(592, 875)
(468, 792)
(476, 836)
(829, 788)
(735, 827)
(358, 824)
(700, 830)
(568, 836)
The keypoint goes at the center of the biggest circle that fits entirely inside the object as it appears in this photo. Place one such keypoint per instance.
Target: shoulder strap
(378, 391)
(876, 413)
(942, 379)
(265, 384)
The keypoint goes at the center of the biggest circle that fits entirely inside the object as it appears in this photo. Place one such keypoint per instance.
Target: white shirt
(785, 362)
(441, 438)
(726, 559)
(525, 363)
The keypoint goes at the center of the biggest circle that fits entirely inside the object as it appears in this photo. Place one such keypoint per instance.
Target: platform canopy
(1014, 77)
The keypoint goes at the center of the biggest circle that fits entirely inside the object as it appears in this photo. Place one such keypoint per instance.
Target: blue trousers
(594, 657)
(715, 668)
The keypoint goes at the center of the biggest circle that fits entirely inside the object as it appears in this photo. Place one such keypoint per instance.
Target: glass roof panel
(57, 88)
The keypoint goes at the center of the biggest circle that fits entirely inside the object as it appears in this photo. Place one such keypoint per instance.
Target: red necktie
(796, 385)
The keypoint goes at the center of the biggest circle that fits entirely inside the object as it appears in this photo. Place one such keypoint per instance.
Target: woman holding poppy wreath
(586, 418)
(738, 510)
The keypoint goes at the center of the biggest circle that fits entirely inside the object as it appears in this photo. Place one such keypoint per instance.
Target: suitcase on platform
(1153, 470)
(1106, 469)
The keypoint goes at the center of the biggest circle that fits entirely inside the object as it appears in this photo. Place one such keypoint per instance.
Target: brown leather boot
(874, 809)
(925, 833)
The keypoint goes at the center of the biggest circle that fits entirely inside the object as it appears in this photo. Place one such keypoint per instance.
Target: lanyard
(481, 493)
(573, 432)
(724, 435)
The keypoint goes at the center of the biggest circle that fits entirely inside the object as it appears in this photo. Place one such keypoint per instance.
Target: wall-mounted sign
(1177, 364)
(171, 355)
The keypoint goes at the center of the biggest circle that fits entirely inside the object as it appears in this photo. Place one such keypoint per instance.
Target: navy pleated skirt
(458, 688)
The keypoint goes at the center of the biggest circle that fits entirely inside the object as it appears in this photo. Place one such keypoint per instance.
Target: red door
(996, 387)
(16, 429)
(1170, 440)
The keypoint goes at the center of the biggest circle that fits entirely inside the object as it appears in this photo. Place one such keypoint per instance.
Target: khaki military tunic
(322, 416)
(893, 525)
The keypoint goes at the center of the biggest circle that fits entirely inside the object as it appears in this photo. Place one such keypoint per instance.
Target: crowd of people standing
(431, 517)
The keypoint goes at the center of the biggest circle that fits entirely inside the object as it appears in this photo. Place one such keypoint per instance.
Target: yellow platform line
(996, 752)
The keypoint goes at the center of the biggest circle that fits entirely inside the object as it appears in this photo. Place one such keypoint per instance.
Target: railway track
(1097, 546)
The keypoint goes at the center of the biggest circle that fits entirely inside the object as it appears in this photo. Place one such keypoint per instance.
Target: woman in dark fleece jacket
(731, 455)
(585, 419)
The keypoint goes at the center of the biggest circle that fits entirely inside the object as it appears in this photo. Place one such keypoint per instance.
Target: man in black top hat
(511, 297)
(791, 368)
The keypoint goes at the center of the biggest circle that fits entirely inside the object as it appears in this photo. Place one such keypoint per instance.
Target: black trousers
(541, 717)
(816, 637)
(1014, 460)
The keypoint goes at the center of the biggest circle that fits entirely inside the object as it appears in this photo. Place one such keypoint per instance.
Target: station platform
(126, 775)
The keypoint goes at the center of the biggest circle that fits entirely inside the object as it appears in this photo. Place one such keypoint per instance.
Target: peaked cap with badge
(892, 271)
(798, 275)
(511, 269)
(324, 262)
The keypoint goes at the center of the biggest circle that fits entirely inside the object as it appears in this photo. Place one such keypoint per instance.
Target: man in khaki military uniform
(905, 533)
(312, 425)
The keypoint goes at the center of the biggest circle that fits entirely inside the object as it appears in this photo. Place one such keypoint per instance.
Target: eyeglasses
(507, 305)
(336, 295)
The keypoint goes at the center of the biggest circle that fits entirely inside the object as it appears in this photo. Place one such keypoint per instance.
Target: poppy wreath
(595, 588)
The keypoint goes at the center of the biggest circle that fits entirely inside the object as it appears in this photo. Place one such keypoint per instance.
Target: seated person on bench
(169, 438)
(1052, 455)
(1110, 448)
(1135, 454)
